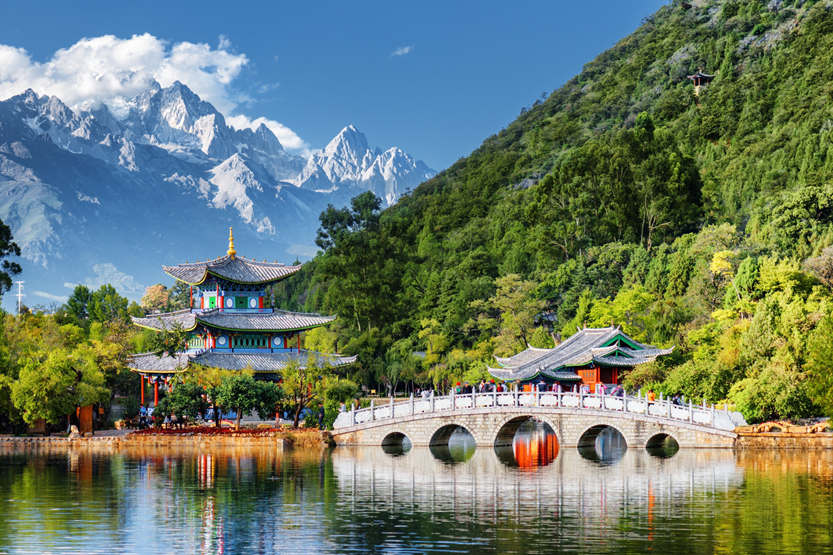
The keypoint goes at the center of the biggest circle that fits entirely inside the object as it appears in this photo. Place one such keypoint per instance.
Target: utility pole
(19, 295)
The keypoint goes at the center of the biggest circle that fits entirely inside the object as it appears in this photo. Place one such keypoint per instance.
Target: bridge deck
(660, 411)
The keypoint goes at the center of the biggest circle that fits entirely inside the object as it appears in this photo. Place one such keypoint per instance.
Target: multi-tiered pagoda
(228, 322)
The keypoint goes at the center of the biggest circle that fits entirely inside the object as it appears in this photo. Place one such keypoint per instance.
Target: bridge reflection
(534, 444)
(486, 487)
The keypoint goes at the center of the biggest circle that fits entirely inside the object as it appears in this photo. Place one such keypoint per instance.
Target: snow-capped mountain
(348, 162)
(94, 197)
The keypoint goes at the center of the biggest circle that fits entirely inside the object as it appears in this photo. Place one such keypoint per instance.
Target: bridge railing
(662, 409)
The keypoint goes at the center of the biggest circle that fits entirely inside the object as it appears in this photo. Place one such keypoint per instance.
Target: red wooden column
(156, 392)
(299, 342)
(191, 296)
(142, 390)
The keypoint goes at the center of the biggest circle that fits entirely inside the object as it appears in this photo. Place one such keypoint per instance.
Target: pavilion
(589, 357)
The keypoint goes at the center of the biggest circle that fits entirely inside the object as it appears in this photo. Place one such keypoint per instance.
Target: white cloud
(403, 50)
(50, 296)
(288, 138)
(111, 70)
(108, 273)
(86, 198)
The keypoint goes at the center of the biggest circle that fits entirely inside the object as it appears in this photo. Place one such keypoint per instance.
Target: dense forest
(702, 220)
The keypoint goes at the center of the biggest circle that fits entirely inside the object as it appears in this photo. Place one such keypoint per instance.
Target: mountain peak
(349, 143)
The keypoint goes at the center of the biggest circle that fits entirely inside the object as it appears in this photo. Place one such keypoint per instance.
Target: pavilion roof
(259, 362)
(601, 346)
(700, 75)
(275, 321)
(236, 269)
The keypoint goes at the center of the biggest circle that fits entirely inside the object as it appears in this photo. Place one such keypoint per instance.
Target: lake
(529, 497)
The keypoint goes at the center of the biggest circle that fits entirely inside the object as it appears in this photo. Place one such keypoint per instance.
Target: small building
(699, 79)
(589, 357)
(229, 325)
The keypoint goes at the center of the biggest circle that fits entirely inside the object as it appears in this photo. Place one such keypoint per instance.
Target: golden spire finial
(231, 252)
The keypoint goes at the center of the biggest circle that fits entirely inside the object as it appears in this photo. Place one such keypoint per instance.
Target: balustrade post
(372, 410)
(601, 399)
(691, 411)
(353, 416)
(391, 407)
(494, 396)
(580, 398)
(432, 401)
(668, 408)
(560, 398)
(515, 397)
(412, 404)
(453, 400)
(537, 397)
(474, 397)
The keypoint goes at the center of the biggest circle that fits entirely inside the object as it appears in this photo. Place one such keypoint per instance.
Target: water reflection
(396, 444)
(663, 446)
(534, 444)
(362, 500)
(602, 444)
(459, 447)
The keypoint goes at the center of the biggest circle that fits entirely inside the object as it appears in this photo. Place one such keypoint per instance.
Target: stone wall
(489, 426)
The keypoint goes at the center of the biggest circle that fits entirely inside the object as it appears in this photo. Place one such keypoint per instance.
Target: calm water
(527, 497)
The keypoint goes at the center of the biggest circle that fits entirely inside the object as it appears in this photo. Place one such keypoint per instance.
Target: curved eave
(208, 271)
(147, 326)
(263, 330)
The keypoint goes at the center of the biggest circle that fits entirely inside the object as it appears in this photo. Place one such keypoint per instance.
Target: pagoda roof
(150, 363)
(276, 321)
(601, 346)
(236, 269)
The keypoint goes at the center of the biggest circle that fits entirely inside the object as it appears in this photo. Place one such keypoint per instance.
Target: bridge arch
(662, 444)
(441, 435)
(602, 442)
(396, 439)
(506, 430)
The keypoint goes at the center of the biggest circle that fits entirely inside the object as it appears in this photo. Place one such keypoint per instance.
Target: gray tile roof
(150, 362)
(236, 269)
(167, 320)
(268, 362)
(278, 320)
(582, 348)
(259, 362)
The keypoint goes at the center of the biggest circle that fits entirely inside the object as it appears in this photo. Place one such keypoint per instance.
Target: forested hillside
(700, 221)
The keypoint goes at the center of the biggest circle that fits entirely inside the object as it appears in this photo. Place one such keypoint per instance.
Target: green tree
(186, 399)
(303, 386)
(106, 305)
(9, 268)
(51, 385)
(242, 393)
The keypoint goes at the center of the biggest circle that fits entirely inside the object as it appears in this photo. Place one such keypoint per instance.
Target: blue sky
(463, 70)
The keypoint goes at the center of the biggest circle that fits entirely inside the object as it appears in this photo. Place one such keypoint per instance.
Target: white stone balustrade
(660, 409)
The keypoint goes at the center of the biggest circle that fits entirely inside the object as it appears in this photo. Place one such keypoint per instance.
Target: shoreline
(321, 439)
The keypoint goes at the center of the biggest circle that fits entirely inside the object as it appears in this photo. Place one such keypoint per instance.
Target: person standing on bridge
(651, 397)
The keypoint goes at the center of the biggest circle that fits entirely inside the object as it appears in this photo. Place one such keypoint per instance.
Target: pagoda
(229, 327)
(590, 357)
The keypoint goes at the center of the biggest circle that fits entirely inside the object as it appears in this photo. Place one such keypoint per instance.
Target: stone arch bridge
(493, 418)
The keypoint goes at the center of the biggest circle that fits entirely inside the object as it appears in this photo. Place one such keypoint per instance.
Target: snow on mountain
(348, 162)
(234, 180)
(92, 197)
